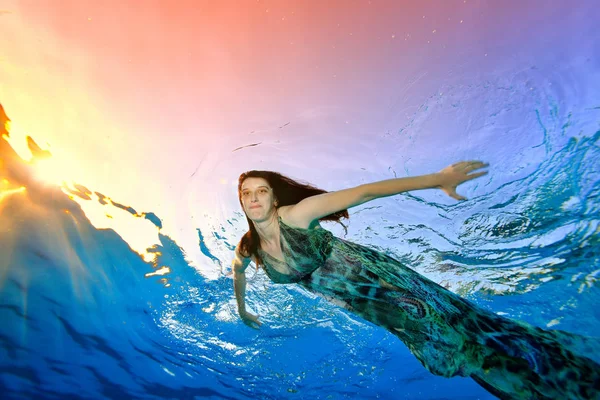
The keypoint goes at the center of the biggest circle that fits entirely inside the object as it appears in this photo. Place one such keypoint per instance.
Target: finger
(248, 322)
(456, 196)
(469, 166)
(472, 168)
(460, 164)
(478, 164)
(476, 175)
(252, 324)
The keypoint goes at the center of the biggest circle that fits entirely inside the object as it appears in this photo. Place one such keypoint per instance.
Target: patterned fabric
(449, 335)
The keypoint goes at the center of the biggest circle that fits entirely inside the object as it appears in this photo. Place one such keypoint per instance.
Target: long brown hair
(287, 192)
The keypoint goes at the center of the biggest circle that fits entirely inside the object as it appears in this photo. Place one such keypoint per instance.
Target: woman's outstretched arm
(447, 180)
(239, 286)
(315, 207)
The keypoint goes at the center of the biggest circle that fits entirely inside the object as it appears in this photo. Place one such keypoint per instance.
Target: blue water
(82, 318)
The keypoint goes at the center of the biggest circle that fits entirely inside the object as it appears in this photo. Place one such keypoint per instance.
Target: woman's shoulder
(287, 216)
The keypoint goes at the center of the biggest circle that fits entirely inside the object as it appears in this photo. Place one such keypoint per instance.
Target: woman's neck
(268, 230)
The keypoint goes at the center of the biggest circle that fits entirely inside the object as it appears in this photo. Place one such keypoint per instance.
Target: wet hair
(287, 192)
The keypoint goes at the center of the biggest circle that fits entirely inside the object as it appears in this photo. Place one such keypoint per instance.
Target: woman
(449, 335)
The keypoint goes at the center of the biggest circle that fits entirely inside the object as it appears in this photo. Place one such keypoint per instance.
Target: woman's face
(257, 198)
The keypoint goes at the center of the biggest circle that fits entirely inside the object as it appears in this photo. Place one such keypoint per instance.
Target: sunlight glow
(49, 170)
(139, 233)
(52, 171)
(61, 170)
(165, 282)
(161, 271)
(17, 140)
(6, 193)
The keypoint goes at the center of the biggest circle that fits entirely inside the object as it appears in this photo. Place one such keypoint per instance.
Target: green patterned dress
(449, 335)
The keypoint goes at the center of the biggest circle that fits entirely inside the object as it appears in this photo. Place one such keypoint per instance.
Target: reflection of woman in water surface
(449, 335)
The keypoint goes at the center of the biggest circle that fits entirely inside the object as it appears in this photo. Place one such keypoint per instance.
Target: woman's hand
(454, 175)
(250, 319)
